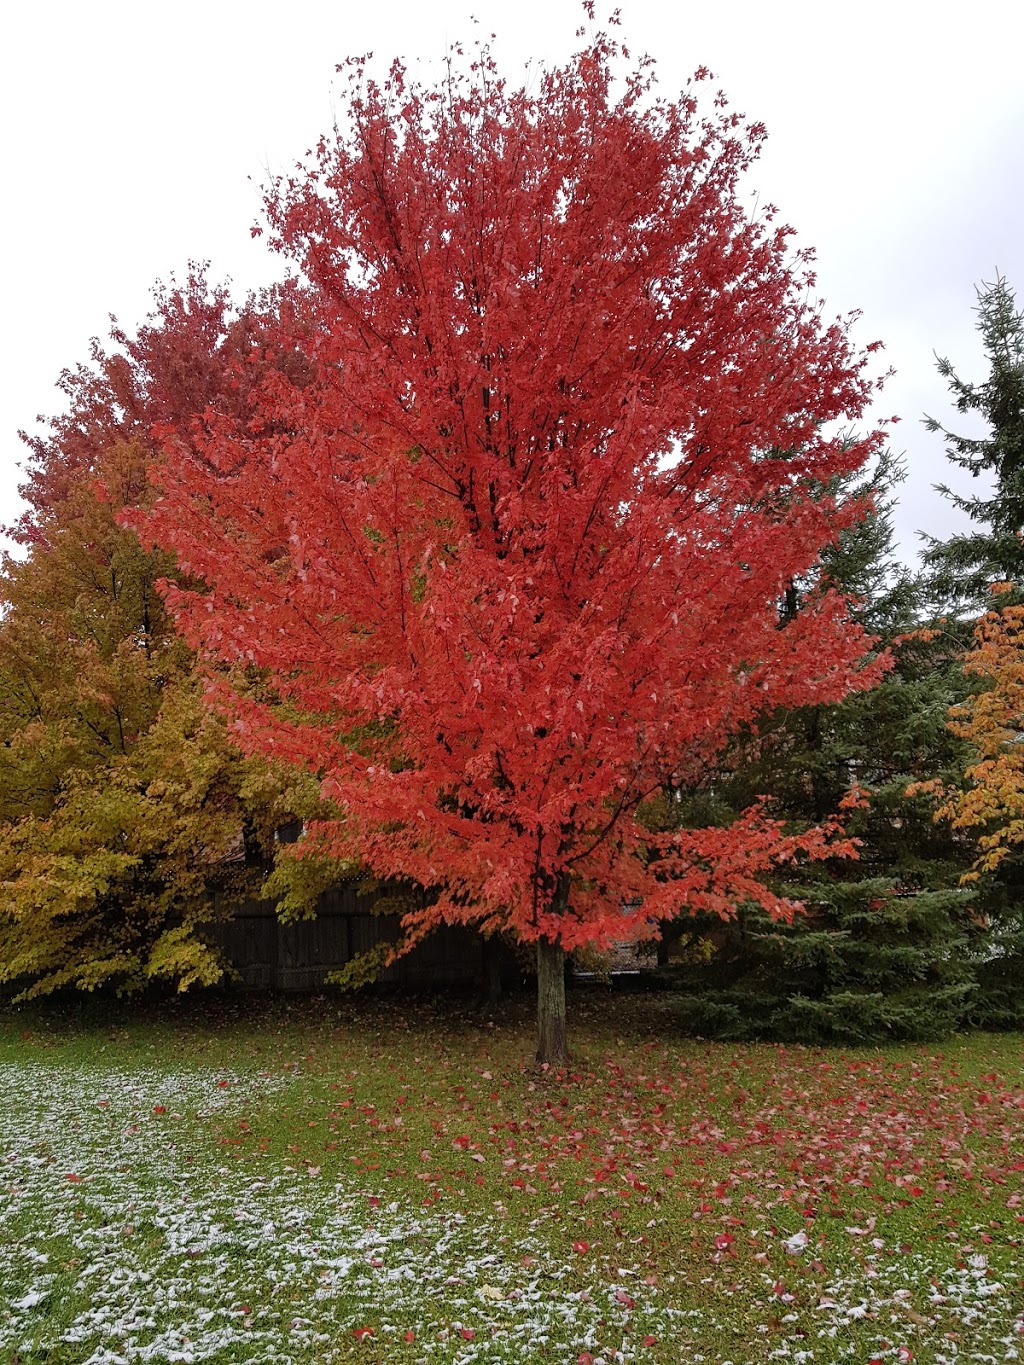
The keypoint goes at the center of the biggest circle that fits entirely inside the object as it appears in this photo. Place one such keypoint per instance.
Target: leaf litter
(733, 1204)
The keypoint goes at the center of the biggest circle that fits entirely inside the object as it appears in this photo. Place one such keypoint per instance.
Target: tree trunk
(551, 1046)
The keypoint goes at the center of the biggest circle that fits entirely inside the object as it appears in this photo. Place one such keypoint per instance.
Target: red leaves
(444, 520)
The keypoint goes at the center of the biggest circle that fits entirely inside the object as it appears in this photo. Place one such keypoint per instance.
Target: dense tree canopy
(511, 539)
(991, 720)
(981, 571)
(124, 804)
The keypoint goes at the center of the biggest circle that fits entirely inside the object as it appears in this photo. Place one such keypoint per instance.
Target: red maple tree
(511, 539)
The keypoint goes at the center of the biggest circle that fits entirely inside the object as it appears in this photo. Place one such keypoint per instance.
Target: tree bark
(551, 1046)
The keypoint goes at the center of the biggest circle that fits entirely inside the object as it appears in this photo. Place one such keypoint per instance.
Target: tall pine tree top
(964, 566)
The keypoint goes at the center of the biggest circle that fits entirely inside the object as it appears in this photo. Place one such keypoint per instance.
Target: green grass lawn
(377, 1180)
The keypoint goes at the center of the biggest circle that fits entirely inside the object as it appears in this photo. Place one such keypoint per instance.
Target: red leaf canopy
(510, 540)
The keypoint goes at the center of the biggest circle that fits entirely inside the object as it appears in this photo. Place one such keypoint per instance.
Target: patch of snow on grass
(120, 1235)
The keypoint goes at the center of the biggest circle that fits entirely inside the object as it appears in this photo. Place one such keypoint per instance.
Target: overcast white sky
(135, 137)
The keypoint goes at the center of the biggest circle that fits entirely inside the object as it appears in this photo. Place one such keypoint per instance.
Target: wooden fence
(297, 956)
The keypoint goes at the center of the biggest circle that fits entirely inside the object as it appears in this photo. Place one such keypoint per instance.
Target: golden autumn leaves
(990, 803)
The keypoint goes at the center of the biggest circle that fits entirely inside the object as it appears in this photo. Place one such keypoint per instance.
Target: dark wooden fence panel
(267, 954)
(451, 956)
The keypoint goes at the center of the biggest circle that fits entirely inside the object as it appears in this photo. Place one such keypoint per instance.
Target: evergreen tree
(962, 568)
(999, 954)
(882, 949)
(959, 574)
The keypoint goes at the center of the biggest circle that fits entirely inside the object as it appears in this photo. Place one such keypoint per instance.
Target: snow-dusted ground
(120, 1242)
(116, 1236)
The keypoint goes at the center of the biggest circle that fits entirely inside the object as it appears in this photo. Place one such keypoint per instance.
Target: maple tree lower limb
(551, 1046)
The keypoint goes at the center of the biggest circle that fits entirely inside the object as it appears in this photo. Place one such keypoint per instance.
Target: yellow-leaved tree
(987, 807)
(990, 803)
(128, 818)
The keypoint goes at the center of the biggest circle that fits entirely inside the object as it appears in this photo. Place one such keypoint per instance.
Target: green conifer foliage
(999, 1000)
(959, 574)
(963, 567)
(883, 948)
